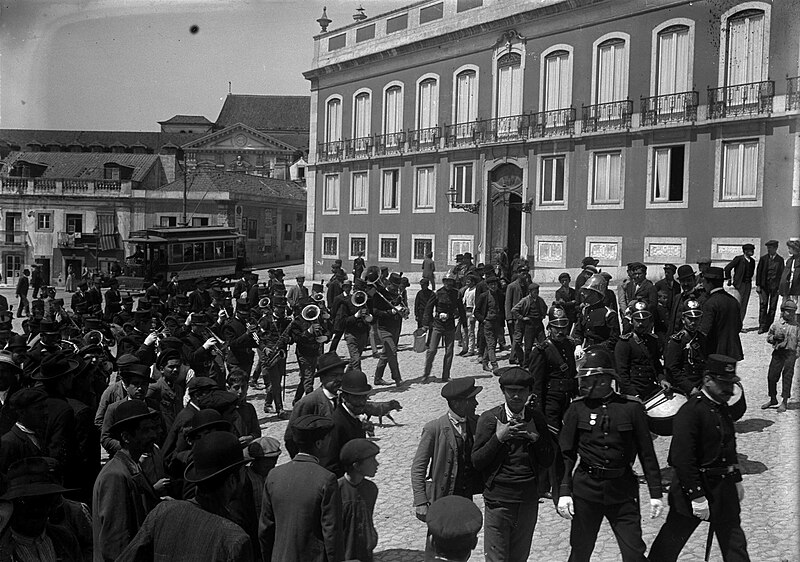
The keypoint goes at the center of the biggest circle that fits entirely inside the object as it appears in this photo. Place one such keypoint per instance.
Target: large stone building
(657, 131)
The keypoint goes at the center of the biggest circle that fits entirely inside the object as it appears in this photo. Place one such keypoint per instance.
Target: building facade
(658, 132)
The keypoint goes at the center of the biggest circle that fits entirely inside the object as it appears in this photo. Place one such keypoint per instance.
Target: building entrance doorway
(505, 212)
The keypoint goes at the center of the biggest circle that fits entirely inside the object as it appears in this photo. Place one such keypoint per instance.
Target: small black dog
(382, 409)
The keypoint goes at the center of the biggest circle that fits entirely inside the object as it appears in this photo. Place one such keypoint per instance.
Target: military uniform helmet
(557, 318)
(596, 361)
(596, 283)
(692, 310)
(639, 311)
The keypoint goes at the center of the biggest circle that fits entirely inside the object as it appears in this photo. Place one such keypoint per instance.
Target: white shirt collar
(703, 390)
(327, 393)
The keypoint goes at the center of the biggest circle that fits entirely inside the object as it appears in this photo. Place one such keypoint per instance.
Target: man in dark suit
(26, 438)
(669, 284)
(301, 514)
(768, 278)
(22, 292)
(739, 273)
(708, 484)
(442, 465)
(347, 424)
(789, 287)
(441, 312)
(722, 321)
(641, 288)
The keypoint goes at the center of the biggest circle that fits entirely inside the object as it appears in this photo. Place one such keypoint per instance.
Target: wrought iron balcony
(680, 107)
(421, 140)
(360, 147)
(792, 93)
(460, 134)
(754, 98)
(390, 143)
(505, 129)
(615, 115)
(329, 151)
(555, 122)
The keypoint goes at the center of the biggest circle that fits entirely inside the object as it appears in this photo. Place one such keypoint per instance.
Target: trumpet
(219, 346)
(398, 307)
(359, 300)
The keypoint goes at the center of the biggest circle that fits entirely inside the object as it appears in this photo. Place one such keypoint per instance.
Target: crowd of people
(126, 433)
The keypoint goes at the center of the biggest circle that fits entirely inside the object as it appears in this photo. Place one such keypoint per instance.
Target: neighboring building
(657, 131)
(61, 209)
(186, 124)
(268, 212)
(284, 118)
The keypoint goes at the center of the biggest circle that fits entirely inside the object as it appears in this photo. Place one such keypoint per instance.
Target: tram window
(218, 250)
(176, 253)
(198, 251)
(188, 253)
(209, 251)
(229, 249)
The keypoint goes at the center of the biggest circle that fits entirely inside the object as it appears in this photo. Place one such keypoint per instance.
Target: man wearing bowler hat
(453, 526)
(708, 484)
(689, 292)
(301, 515)
(768, 278)
(722, 320)
(739, 273)
(196, 529)
(348, 419)
(26, 437)
(136, 380)
(442, 465)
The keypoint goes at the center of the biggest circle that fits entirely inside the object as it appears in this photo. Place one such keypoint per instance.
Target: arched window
(612, 71)
(427, 103)
(466, 99)
(393, 110)
(333, 120)
(362, 112)
(557, 90)
(673, 61)
(509, 85)
(746, 48)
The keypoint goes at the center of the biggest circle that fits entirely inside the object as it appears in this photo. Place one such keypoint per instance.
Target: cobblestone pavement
(767, 444)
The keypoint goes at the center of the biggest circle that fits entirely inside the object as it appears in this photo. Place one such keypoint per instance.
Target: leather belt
(718, 470)
(603, 473)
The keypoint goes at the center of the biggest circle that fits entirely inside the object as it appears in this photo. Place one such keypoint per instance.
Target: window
(509, 85)
(362, 114)
(44, 221)
(607, 178)
(673, 61)
(397, 23)
(252, 229)
(746, 48)
(463, 183)
(199, 221)
(389, 245)
(337, 42)
(111, 173)
(287, 232)
(330, 246)
(458, 244)
(466, 101)
(431, 13)
(552, 180)
(612, 71)
(393, 110)
(358, 243)
(359, 192)
(425, 189)
(557, 78)
(333, 120)
(427, 103)
(166, 221)
(421, 244)
(365, 33)
(739, 170)
(464, 5)
(668, 174)
(331, 194)
(390, 191)
(175, 253)
(74, 223)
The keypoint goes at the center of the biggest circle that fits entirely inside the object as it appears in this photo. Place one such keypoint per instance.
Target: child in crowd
(245, 420)
(264, 453)
(565, 298)
(358, 498)
(784, 335)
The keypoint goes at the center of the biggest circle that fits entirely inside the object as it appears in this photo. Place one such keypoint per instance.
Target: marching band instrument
(359, 300)
(317, 297)
(661, 409)
(220, 347)
(311, 313)
(397, 306)
(264, 302)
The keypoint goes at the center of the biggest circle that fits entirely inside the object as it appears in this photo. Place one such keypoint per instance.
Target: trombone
(359, 300)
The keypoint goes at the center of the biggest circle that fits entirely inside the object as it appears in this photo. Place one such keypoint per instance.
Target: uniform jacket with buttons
(684, 361)
(721, 324)
(549, 361)
(638, 362)
(597, 326)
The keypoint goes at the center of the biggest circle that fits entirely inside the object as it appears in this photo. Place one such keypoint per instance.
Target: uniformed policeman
(605, 430)
(597, 324)
(708, 486)
(684, 359)
(638, 356)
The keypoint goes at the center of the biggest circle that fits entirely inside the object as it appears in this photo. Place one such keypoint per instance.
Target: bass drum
(737, 403)
(661, 408)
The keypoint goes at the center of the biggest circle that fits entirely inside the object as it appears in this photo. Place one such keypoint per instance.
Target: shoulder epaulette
(632, 398)
(677, 336)
(626, 336)
(541, 346)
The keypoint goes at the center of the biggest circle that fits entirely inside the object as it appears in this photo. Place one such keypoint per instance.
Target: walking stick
(709, 541)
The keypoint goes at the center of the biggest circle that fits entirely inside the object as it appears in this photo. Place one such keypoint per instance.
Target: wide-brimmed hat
(128, 411)
(54, 366)
(207, 419)
(460, 389)
(31, 477)
(355, 382)
(328, 362)
(215, 454)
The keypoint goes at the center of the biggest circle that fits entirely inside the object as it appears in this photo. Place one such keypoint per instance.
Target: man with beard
(638, 356)
(606, 431)
(684, 358)
(709, 485)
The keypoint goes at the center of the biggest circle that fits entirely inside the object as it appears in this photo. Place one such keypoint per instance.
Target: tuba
(359, 300)
(311, 313)
(264, 302)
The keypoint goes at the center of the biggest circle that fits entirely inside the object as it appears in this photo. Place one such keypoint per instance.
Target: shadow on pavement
(400, 555)
(753, 424)
(751, 467)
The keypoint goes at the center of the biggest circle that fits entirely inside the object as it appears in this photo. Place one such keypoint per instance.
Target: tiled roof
(267, 113)
(83, 165)
(151, 139)
(186, 120)
(239, 183)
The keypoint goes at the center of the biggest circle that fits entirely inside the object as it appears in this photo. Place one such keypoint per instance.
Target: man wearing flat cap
(768, 277)
(708, 484)
(512, 446)
(722, 321)
(301, 515)
(453, 526)
(739, 273)
(442, 465)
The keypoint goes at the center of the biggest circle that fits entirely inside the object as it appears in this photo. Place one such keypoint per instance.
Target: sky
(127, 64)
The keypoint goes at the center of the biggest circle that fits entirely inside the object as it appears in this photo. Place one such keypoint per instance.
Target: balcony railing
(421, 140)
(754, 98)
(390, 143)
(792, 93)
(555, 122)
(330, 151)
(43, 185)
(360, 147)
(670, 108)
(460, 134)
(77, 240)
(14, 238)
(56, 187)
(75, 186)
(505, 129)
(108, 185)
(14, 185)
(615, 115)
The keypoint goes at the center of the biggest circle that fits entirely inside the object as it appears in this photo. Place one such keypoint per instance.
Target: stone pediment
(238, 137)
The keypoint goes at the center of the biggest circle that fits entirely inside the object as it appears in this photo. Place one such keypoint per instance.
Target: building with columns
(659, 131)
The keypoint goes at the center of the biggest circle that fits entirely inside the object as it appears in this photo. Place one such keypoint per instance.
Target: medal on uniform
(592, 418)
